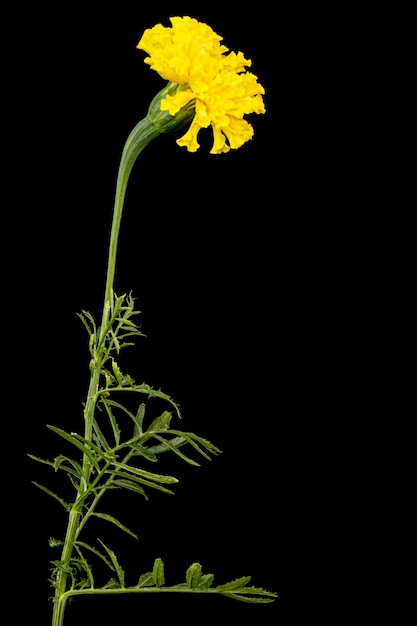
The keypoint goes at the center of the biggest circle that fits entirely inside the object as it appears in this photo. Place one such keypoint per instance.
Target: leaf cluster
(107, 460)
(116, 452)
(154, 580)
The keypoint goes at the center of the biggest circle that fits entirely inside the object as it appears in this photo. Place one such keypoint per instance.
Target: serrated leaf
(193, 575)
(164, 447)
(51, 493)
(234, 584)
(86, 567)
(146, 580)
(128, 484)
(120, 406)
(126, 344)
(160, 423)
(128, 381)
(196, 441)
(158, 574)
(160, 478)
(126, 322)
(101, 455)
(137, 479)
(40, 460)
(112, 584)
(152, 393)
(248, 599)
(113, 520)
(74, 438)
(116, 371)
(101, 439)
(119, 571)
(96, 552)
(75, 470)
(206, 581)
(139, 420)
(238, 590)
(115, 341)
(139, 450)
(65, 567)
(172, 444)
(113, 421)
(84, 316)
(54, 543)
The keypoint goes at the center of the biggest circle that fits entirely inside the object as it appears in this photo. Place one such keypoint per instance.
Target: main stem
(143, 133)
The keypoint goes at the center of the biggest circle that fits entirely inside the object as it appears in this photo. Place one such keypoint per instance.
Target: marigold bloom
(221, 90)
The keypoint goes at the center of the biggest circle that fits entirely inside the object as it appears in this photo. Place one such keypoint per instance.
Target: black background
(242, 291)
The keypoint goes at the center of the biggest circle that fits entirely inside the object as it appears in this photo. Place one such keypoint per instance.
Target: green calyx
(163, 120)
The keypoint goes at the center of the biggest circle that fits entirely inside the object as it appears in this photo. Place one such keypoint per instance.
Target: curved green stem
(143, 133)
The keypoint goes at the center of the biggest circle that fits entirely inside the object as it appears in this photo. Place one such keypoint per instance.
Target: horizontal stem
(130, 590)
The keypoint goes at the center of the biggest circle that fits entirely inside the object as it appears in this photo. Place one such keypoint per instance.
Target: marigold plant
(206, 86)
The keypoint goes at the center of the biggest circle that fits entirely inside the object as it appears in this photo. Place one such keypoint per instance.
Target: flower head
(222, 91)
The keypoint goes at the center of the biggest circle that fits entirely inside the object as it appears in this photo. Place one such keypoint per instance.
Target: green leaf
(51, 493)
(128, 484)
(160, 478)
(116, 303)
(75, 470)
(112, 584)
(172, 444)
(38, 458)
(113, 422)
(206, 581)
(65, 567)
(158, 573)
(115, 341)
(166, 444)
(160, 423)
(195, 440)
(146, 580)
(126, 344)
(117, 372)
(193, 575)
(102, 441)
(117, 405)
(85, 566)
(84, 316)
(96, 552)
(139, 420)
(113, 520)
(101, 454)
(126, 323)
(146, 389)
(253, 595)
(145, 452)
(234, 584)
(113, 558)
(238, 590)
(75, 440)
(131, 478)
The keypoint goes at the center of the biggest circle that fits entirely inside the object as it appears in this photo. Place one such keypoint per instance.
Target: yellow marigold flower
(217, 84)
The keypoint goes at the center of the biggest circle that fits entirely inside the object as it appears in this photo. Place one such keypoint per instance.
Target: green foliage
(154, 580)
(117, 453)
